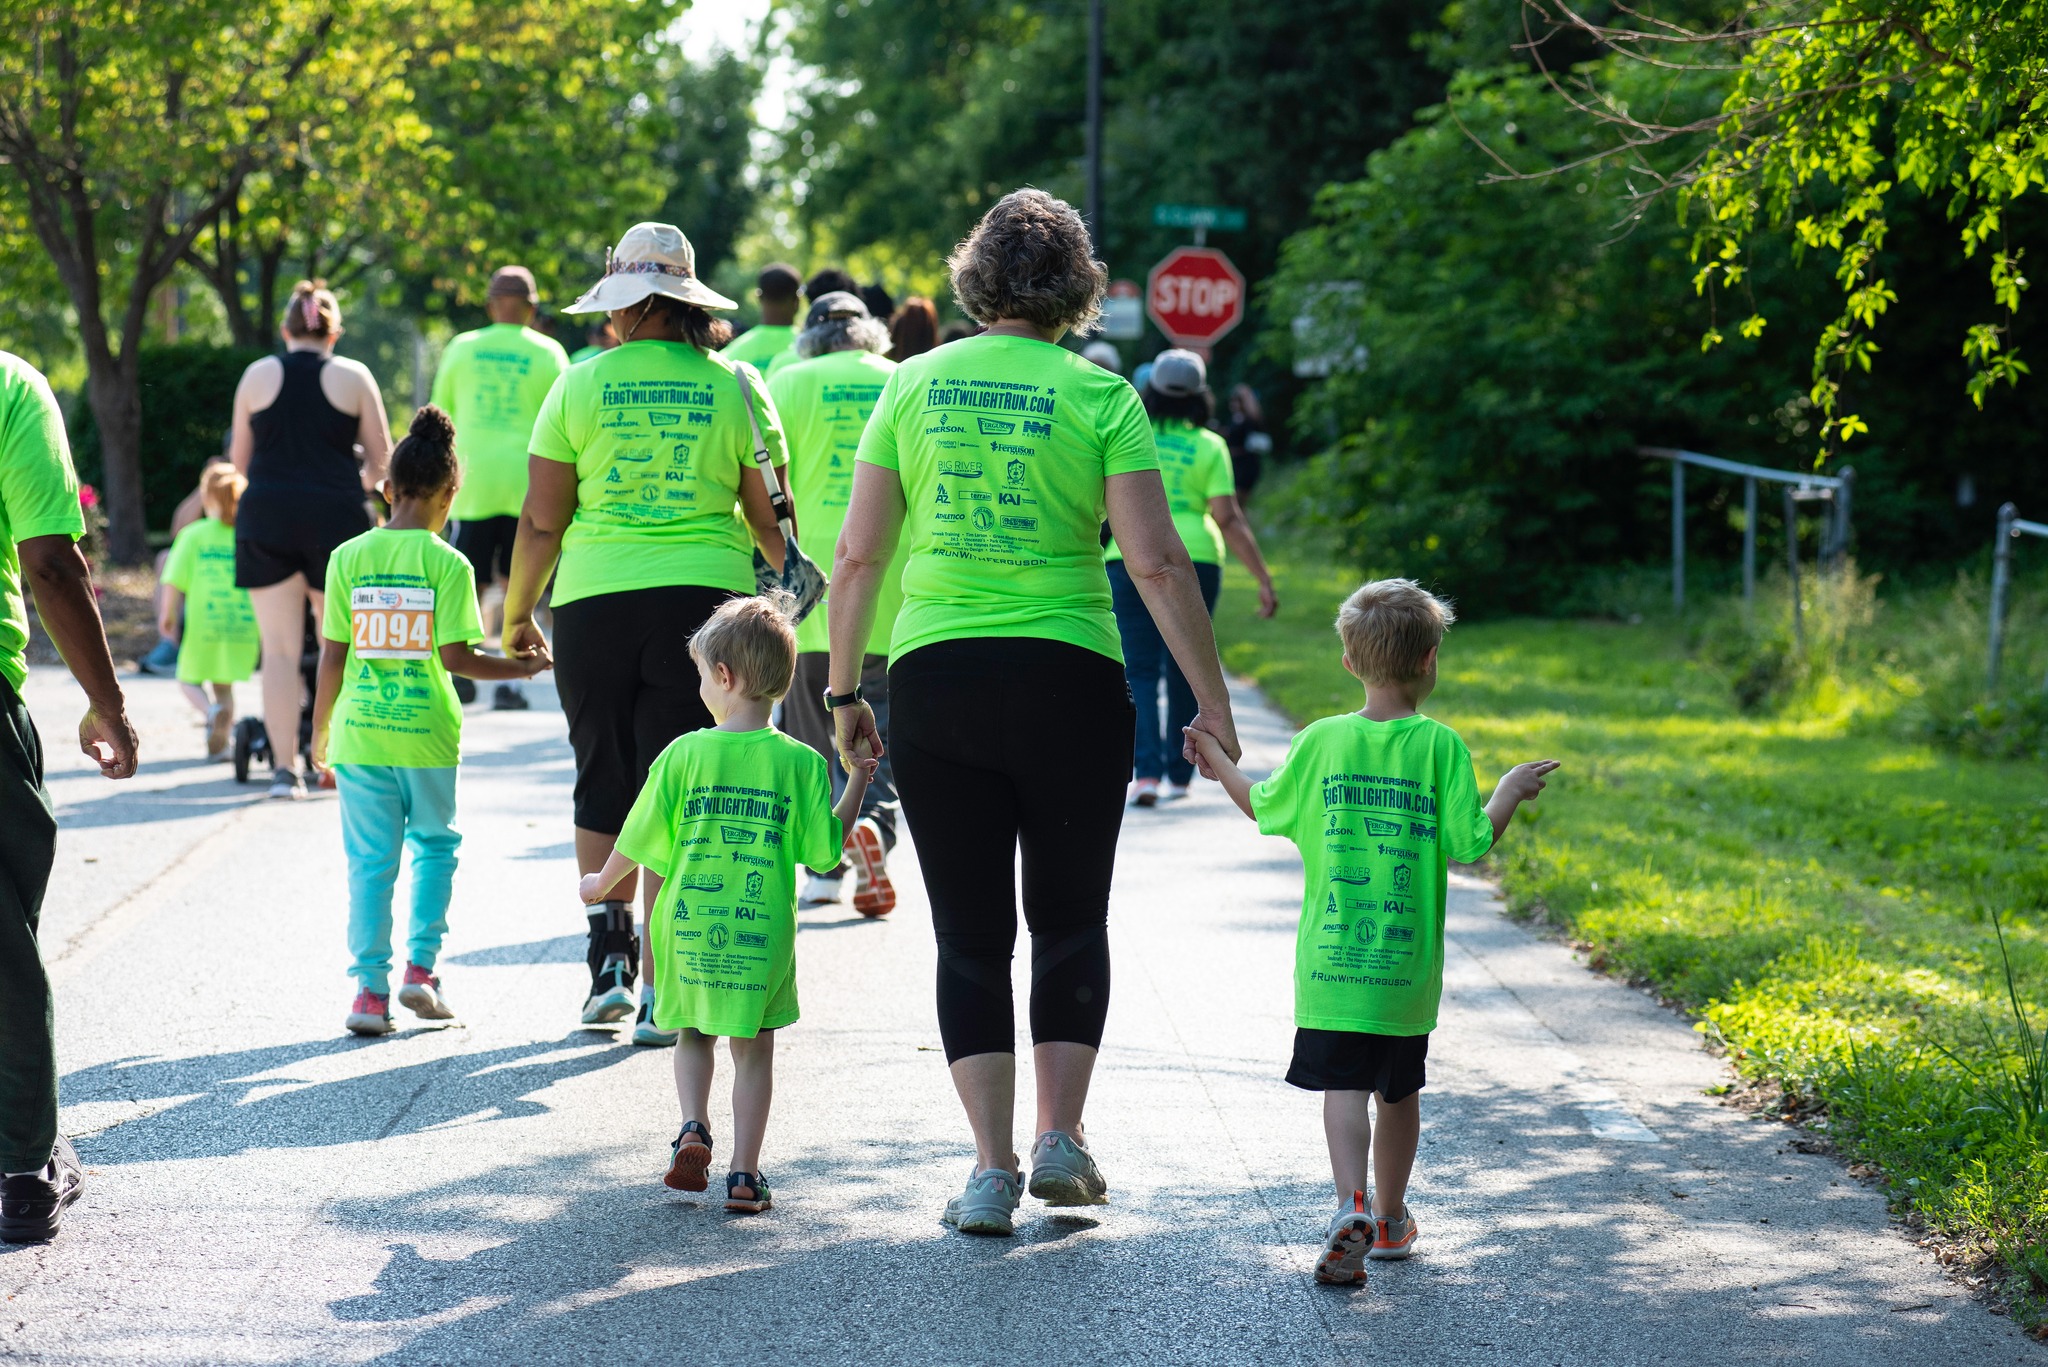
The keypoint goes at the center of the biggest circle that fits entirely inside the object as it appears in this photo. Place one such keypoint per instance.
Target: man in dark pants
(40, 523)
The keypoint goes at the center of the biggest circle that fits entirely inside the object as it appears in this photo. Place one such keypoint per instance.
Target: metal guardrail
(2011, 527)
(1801, 486)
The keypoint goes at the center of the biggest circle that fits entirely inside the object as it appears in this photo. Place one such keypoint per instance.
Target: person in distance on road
(598, 338)
(726, 815)
(40, 524)
(776, 293)
(491, 383)
(1196, 467)
(914, 330)
(201, 608)
(825, 400)
(400, 620)
(1378, 801)
(830, 280)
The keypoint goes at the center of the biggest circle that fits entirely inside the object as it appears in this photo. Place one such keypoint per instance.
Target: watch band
(834, 701)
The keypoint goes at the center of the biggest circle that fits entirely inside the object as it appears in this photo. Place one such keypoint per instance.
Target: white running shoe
(420, 994)
(1145, 792)
(287, 786)
(1347, 1243)
(821, 890)
(1064, 1174)
(1176, 791)
(873, 893)
(988, 1204)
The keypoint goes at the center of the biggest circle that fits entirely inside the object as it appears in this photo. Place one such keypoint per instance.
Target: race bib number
(392, 623)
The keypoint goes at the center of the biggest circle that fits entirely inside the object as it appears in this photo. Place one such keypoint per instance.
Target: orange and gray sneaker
(1346, 1245)
(1394, 1235)
(873, 893)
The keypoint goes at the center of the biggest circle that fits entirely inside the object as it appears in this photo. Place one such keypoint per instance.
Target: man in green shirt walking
(492, 382)
(40, 524)
(773, 335)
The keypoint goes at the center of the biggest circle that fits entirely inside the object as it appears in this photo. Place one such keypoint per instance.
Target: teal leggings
(382, 808)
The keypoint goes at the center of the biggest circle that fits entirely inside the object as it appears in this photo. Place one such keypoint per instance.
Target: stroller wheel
(251, 744)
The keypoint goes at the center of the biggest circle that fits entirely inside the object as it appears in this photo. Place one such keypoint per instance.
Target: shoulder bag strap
(777, 499)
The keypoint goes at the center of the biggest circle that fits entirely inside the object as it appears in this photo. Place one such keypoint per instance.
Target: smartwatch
(834, 701)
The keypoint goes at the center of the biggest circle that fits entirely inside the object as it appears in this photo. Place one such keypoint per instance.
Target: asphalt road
(266, 1189)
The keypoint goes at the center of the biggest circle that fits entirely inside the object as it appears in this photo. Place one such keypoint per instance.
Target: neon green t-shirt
(492, 382)
(397, 597)
(38, 495)
(658, 438)
(1195, 464)
(824, 404)
(760, 344)
(1003, 445)
(582, 354)
(1377, 809)
(725, 817)
(220, 644)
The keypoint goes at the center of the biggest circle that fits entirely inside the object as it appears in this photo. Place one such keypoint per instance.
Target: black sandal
(761, 1200)
(690, 1159)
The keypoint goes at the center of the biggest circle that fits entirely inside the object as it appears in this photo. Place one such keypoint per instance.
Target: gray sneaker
(988, 1204)
(1347, 1243)
(1063, 1174)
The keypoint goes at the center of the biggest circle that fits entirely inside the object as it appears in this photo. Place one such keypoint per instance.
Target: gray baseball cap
(837, 304)
(1179, 374)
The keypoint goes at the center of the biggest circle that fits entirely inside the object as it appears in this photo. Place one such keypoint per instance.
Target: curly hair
(1030, 258)
(843, 334)
(423, 462)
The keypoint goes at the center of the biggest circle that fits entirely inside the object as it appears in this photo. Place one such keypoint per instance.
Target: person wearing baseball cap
(491, 383)
(1201, 492)
(825, 397)
(644, 502)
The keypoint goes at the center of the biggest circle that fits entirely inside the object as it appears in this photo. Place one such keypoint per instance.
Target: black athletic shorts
(287, 536)
(486, 542)
(629, 687)
(1353, 1061)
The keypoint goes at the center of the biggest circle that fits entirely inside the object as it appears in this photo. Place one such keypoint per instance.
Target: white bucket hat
(652, 258)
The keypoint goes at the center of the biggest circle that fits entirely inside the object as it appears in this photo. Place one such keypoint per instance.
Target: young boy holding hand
(1378, 801)
(724, 818)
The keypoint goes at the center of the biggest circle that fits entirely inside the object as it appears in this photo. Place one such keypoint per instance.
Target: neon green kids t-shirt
(1195, 465)
(824, 404)
(38, 495)
(725, 817)
(760, 344)
(659, 440)
(220, 644)
(492, 382)
(1003, 445)
(397, 597)
(1377, 809)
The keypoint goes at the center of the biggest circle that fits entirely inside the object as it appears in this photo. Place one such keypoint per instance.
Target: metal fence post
(2001, 582)
(1678, 536)
(1792, 569)
(1748, 542)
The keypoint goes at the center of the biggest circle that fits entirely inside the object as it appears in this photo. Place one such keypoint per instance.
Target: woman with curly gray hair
(994, 460)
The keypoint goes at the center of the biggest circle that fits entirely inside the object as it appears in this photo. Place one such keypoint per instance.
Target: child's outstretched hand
(1523, 782)
(590, 888)
(1207, 751)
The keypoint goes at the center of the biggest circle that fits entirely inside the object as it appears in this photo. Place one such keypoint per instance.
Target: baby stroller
(252, 741)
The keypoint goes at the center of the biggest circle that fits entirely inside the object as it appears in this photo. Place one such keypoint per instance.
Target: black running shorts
(1353, 1061)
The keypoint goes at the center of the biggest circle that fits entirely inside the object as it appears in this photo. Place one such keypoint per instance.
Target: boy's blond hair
(755, 639)
(1389, 627)
(220, 491)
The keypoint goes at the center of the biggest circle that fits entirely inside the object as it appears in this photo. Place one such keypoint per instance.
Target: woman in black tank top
(296, 438)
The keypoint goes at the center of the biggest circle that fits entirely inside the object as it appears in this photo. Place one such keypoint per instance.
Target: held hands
(1218, 726)
(591, 888)
(856, 737)
(524, 641)
(1524, 782)
(108, 740)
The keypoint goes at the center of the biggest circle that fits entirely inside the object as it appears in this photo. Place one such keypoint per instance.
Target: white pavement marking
(264, 1189)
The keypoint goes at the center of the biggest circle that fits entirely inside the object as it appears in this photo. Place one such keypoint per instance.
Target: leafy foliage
(187, 392)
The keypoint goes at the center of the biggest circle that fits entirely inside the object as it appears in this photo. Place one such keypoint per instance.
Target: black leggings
(1001, 744)
(629, 687)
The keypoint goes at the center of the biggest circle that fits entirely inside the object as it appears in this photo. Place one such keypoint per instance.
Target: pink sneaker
(371, 1014)
(421, 995)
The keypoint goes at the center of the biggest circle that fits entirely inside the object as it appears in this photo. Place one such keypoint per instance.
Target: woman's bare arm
(1244, 544)
(867, 546)
(549, 508)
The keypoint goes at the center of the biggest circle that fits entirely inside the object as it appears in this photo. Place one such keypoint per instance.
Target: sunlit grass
(1816, 888)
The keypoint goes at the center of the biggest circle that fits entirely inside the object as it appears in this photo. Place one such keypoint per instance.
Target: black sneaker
(32, 1206)
(465, 690)
(509, 698)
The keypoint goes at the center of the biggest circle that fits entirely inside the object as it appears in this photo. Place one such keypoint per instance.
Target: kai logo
(995, 427)
(984, 519)
(747, 914)
(753, 893)
(1009, 500)
(1015, 472)
(718, 937)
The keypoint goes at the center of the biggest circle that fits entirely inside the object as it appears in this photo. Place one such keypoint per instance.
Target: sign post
(1200, 217)
(1195, 296)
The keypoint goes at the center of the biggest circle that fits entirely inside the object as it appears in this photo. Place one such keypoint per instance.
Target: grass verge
(1820, 892)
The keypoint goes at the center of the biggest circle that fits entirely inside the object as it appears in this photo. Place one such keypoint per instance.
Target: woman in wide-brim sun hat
(995, 460)
(640, 457)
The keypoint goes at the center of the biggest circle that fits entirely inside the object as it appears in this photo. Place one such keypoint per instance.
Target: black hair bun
(432, 426)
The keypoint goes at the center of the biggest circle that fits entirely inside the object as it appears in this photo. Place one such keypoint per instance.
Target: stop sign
(1195, 295)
